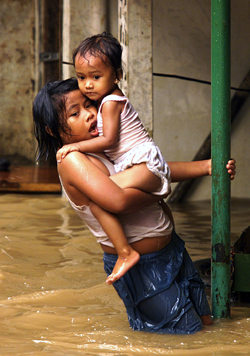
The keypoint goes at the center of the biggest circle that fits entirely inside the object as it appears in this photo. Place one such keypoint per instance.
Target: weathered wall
(16, 87)
(17, 59)
(135, 35)
(82, 19)
(182, 109)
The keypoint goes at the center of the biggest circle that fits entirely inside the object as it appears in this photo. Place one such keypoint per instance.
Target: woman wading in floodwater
(163, 292)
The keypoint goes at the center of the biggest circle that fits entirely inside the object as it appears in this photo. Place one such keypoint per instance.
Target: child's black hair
(104, 45)
(48, 115)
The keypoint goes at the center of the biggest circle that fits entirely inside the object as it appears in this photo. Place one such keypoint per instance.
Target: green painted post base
(221, 290)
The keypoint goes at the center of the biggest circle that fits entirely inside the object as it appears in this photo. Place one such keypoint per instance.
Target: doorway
(42, 176)
(48, 41)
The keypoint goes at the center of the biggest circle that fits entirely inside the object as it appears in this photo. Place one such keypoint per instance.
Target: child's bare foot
(123, 264)
(206, 319)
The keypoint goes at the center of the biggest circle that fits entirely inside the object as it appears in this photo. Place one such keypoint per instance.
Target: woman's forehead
(74, 97)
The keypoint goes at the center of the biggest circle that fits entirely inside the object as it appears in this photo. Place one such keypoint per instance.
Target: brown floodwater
(54, 300)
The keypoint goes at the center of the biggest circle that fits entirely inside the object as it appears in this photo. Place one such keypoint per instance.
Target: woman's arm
(181, 171)
(84, 180)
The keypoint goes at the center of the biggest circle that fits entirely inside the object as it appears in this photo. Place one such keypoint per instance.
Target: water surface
(54, 299)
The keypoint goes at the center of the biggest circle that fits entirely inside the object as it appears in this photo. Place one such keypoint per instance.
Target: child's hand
(62, 152)
(231, 168)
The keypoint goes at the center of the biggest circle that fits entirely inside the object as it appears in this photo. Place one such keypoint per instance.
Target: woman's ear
(48, 130)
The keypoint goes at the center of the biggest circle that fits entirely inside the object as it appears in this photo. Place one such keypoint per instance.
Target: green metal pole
(220, 149)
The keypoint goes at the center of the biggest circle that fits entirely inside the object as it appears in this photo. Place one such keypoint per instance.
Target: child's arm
(111, 111)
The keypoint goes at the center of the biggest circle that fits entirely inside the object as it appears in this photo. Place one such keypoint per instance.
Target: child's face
(95, 78)
(80, 118)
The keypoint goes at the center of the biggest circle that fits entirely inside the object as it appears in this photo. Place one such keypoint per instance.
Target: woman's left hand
(231, 168)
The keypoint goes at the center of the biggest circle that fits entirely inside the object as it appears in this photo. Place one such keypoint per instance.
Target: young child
(122, 137)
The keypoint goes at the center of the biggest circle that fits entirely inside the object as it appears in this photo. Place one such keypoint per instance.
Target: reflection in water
(54, 300)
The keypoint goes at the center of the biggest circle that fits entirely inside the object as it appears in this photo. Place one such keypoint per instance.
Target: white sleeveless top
(147, 222)
(132, 132)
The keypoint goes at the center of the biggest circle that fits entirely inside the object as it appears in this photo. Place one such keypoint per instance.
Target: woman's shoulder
(76, 160)
(72, 165)
(73, 158)
(102, 161)
(74, 171)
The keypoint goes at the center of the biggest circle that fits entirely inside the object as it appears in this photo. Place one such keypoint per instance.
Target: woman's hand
(231, 168)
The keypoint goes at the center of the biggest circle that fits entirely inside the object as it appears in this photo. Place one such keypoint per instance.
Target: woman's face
(81, 118)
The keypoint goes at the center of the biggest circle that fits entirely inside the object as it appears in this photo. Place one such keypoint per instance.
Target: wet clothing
(134, 145)
(132, 132)
(163, 292)
(147, 222)
(150, 154)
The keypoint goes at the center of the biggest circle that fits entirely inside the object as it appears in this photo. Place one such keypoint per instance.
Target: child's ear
(119, 74)
(118, 77)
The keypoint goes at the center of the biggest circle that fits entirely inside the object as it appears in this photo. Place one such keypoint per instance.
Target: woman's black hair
(103, 44)
(48, 115)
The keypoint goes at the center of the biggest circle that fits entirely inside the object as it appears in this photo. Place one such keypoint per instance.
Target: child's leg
(127, 256)
(138, 176)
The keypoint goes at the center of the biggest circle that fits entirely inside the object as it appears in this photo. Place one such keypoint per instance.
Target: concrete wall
(135, 35)
(16, 79)
(84, 18)
(182, 112)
